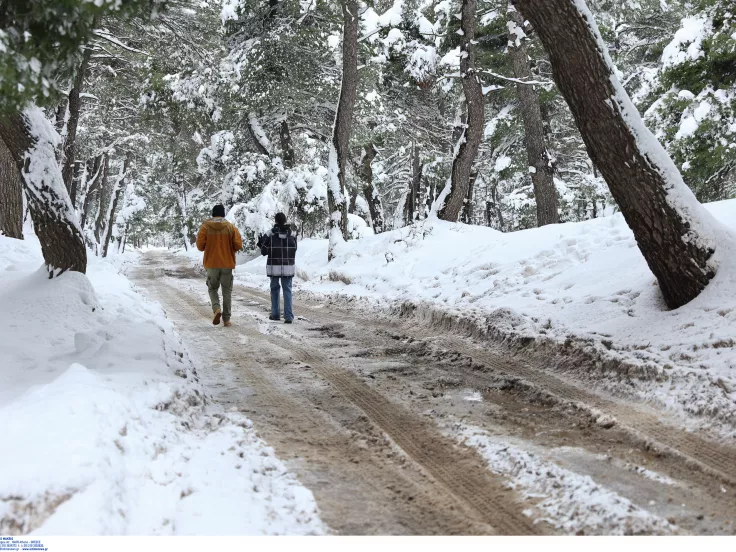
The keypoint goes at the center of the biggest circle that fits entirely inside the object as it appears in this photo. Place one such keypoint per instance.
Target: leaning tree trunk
(32, 141)
(676, 235)
(115, 198)
(451, 200)
(287, 147)
(540, 167)
(338, 157)
(375, 206)
(74, 107)
(260, 141)
(11, 195)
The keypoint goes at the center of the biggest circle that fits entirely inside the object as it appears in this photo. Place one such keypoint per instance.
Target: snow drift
(585, 284)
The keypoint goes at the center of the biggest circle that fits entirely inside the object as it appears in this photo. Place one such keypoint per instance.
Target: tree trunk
(115, 195)
(74, 107)
(408, 208)
(676, 235)
(375, 206)
(182, 197)
(94, 167)
(260, 141)
(467, 214)
(467, 147)
(353, 201)
(416, 183)
(540, 167)
(338, 156)
(11, 195)
(287, 147)
(103, 200)
(75, 183)
(32, 141)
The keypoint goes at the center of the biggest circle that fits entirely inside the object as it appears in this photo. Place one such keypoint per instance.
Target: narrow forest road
(367, 412)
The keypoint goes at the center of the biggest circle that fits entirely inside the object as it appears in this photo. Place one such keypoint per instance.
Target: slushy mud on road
(400, 428)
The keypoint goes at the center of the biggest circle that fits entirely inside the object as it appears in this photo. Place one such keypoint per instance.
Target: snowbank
(109, 429)
(585, 282)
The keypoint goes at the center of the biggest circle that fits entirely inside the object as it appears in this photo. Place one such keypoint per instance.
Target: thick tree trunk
(287, 147)
(11, 195)
(540, 167)
(339, 152)
(32, 141)
(117, 188)
(74, 108)
(675, 233)
(467, 147)
(365, 171)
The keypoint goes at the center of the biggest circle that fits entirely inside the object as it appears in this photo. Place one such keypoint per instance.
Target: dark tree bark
(542, 175)
(432, 194)
(408, 206)
(11, 195)
(75, 183)
(118, 187)
(467, 214)
(642, 179)
(375, 206)
(287, 147)
(468, 145)
(94, 170)
(339, 152)
(353, 200)
(52, 214)
(60, 115)
(74, 107)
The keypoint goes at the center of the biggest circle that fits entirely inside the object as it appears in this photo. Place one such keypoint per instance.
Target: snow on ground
(586, 282)
(108, 430)
(567, 500)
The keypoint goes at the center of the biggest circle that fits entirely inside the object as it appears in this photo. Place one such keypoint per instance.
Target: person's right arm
(202, 238)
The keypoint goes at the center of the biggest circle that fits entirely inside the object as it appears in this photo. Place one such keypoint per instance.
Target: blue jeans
(275, 303)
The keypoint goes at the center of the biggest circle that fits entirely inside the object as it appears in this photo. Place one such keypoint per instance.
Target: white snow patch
(569, 501)
(108, 427)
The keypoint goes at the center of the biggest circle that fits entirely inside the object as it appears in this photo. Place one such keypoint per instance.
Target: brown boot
(227, 323)
(216, 319)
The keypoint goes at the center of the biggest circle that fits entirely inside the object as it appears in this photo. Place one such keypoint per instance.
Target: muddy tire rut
(356, 406)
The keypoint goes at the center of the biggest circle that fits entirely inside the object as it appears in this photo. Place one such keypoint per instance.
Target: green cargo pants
(217, 277)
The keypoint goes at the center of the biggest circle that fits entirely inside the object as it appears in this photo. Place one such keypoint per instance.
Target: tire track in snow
(459, 470)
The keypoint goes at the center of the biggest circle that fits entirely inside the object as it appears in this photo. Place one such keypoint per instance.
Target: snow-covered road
(405, 428)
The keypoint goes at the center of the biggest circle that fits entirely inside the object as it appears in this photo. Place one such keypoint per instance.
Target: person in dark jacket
(279, 244)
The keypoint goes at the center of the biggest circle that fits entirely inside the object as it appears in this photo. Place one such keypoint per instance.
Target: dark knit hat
(280, 219)
(218, 211)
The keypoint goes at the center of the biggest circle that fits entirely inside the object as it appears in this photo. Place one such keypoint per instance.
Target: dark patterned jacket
(280, 245)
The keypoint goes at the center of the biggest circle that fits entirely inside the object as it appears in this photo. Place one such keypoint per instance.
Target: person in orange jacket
(219, 239)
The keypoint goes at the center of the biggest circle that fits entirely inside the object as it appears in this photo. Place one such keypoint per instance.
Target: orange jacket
(219, 240)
